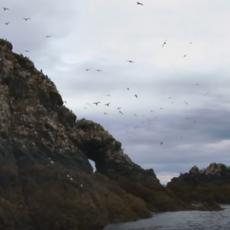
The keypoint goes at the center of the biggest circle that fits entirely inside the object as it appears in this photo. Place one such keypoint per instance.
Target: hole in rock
(92, 163)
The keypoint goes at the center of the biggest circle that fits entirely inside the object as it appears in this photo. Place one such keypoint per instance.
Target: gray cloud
(183, 102)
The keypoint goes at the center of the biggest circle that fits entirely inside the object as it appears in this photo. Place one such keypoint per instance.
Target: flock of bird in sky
(130, 61)
(26, 19)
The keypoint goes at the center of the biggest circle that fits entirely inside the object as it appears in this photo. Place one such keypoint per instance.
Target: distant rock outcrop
(46, 180)
(203, 186)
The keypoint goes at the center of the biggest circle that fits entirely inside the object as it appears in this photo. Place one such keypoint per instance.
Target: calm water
(189, 220)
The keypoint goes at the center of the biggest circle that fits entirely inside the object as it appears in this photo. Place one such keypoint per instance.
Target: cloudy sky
(180, 71)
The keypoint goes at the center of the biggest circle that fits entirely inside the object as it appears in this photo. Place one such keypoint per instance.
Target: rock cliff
(207, 186)
(46, 180)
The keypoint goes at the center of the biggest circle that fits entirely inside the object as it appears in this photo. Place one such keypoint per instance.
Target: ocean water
(186, 220)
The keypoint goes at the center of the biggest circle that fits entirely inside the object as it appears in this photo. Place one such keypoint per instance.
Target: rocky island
(46, 180)
(203, 188)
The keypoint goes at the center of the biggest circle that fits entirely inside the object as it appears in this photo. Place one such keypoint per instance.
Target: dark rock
(112, 162)
(206, 187)
(46, 181)
(194, 170)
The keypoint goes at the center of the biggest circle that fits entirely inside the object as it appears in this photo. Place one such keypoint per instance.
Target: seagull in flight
(161, 143)
(48, 36)
(99, 70)
(140, 3)
(107, 104)
(121, 112)
(164, 44)
(27, 19)
(26, 51)
(130, 61)
(5, 8)
(7, 23)
(97, 103)
(87, 69)
(135, 95)
(118, 108)
(185, 55)
(128, 88)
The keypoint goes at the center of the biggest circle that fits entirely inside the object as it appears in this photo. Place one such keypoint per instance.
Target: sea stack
(46, 180)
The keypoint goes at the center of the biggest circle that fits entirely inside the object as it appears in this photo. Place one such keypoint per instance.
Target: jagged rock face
(33, 118)
(208, 185)
(111, 161)
(194, 170)
(46, 181)
(215, 169)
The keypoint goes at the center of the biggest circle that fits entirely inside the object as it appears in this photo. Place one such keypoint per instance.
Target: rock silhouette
(203, 187)
(46, 180)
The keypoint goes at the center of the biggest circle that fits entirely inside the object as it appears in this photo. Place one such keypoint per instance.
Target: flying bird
(5, 8)
(48, 36)
(107, 104)
(185, 55)
(87, 69)
(118, 108)
(164, 44)
(27, 19)
(140, 3)
(97, 103)
(121, 112)
(128, 88)
(161, 143)
(130, 61)
(7, 23)
(99, 70)
(26, 51)
(135, 95)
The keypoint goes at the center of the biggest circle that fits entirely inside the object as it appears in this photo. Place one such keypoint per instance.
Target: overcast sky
(180, 71)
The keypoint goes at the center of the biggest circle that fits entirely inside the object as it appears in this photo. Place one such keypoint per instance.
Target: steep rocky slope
(203, 186)
(46, 181)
